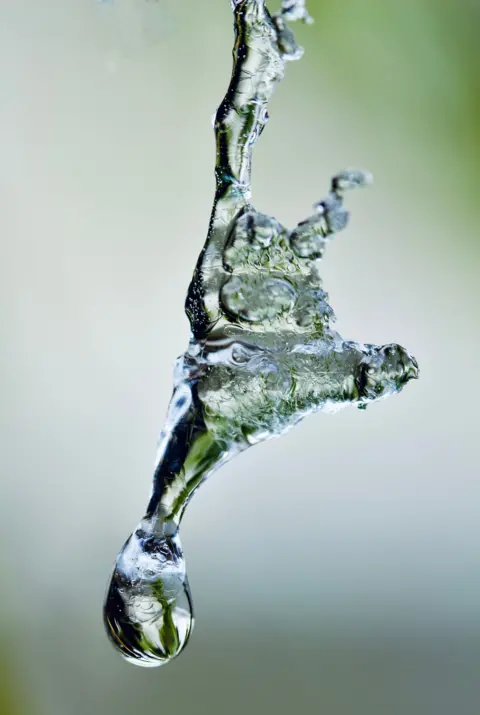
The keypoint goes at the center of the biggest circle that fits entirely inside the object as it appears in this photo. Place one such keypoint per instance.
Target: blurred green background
(336, 570)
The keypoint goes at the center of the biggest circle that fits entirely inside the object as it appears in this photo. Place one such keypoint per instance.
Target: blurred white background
(337, 568)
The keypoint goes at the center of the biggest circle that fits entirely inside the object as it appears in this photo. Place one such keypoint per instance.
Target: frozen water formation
(262, 352)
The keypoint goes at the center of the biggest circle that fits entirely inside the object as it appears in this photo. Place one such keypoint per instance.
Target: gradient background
(336, 570)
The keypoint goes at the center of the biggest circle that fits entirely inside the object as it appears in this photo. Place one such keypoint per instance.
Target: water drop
(148, 607)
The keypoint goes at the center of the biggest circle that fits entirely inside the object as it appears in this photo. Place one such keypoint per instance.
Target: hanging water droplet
(148, 608)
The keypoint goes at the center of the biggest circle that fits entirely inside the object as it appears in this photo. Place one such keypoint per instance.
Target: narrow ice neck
(188, 452)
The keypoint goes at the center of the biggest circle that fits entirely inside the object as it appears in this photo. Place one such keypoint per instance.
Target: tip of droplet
(296, 10)
(351, 179)
(413, 369)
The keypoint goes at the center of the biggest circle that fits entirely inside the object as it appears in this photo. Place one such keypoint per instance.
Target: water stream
(262, 354)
